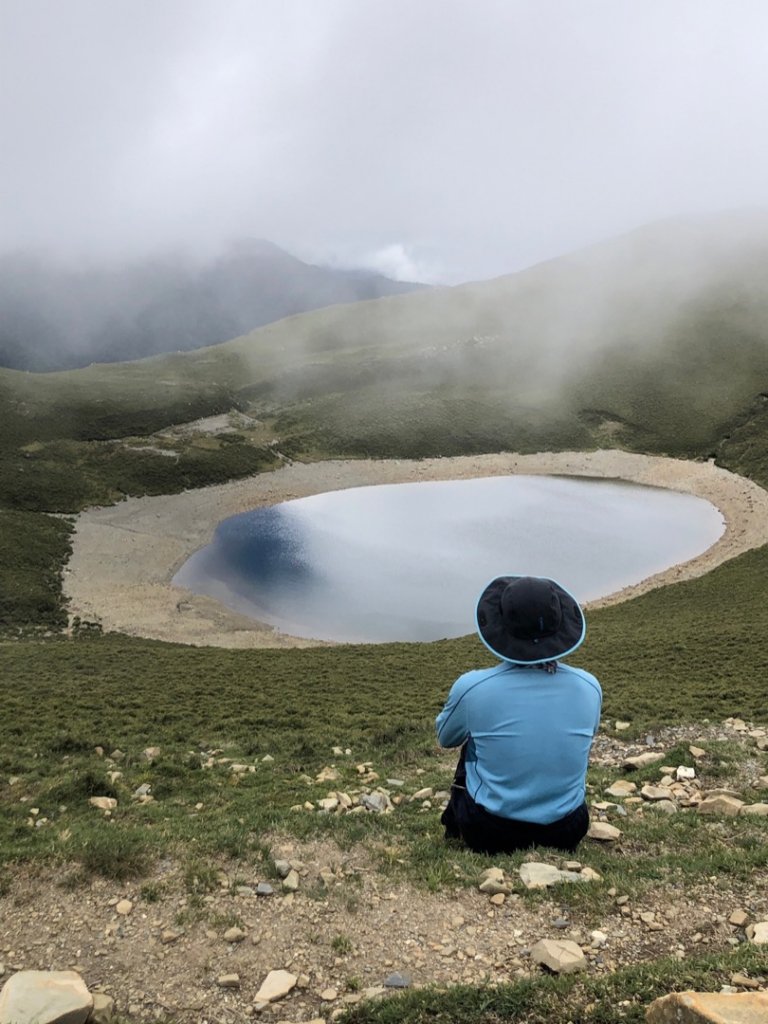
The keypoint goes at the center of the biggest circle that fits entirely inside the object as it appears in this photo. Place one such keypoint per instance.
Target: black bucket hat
(529, 619)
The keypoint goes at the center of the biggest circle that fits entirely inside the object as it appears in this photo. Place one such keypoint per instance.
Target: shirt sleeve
(451, 724)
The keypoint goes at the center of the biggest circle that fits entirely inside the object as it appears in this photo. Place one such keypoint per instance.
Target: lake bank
(124, 556)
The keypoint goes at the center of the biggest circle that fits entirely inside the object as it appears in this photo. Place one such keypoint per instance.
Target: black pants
(484, 832)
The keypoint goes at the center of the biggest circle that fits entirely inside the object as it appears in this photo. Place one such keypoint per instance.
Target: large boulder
(45, 997)
(709, 1008)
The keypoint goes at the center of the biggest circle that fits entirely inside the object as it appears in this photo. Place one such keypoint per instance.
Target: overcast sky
(438, 139)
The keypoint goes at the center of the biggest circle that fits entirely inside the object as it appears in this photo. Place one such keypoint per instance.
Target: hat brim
(493, 633)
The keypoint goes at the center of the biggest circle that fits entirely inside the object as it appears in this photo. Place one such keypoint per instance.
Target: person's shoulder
(478, 675)
(583, 675)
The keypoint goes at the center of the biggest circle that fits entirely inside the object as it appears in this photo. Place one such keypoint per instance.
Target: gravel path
(124, 556)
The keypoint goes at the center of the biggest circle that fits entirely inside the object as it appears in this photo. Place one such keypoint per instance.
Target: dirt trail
(125, 556)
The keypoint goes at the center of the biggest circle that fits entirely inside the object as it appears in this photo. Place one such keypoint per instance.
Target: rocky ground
(340, 930)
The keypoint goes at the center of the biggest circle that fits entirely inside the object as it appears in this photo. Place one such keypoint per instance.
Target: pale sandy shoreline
(125, 556)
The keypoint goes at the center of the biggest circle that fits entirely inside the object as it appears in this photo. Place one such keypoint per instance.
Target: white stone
(759, 933)
(123, 907)
(560, 955)
(45, 997)
(538, 876)
(276, 985)
(684, 772)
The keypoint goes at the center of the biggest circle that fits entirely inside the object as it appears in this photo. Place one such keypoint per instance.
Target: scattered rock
(45, 997)
(397, 980)
(538, 876)
(150, 754)
(642, 760)
(233, 935)
(559, 955)
(492, 885)
(758, 933)
(758, 809)
(264, 889)
(123, 907)
(720, 804)
(276, 985)
(622, 787)
(424, 794)
(684, 773)
(739, 918)
(228, 981)
(498, 899)
(666, 806)
(708, 1008)
(603, 832)
(742, 981)
(656, 793)
(377, 802)
(697, 752)
(103, 803)
(291, 881)
(103, 1009)
(282, 867)
(329, 994)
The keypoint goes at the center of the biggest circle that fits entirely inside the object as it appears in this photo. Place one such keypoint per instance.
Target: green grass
(60, 699)
(622, 995)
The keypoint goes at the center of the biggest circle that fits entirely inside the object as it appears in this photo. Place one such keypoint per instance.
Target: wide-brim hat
(529, 619)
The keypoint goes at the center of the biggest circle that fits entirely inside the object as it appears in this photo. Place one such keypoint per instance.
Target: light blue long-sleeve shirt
(528, 736)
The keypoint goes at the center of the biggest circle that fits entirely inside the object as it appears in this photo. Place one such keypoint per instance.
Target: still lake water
(408, 561)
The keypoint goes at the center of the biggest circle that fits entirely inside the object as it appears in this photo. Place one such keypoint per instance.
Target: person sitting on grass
(525, 726)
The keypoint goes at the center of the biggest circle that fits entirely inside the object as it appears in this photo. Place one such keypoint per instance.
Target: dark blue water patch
(407, 561)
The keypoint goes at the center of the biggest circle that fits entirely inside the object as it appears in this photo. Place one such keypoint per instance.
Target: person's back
(526, 725)
(531, 733)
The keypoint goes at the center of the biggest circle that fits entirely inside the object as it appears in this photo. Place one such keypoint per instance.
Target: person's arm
(451, 724)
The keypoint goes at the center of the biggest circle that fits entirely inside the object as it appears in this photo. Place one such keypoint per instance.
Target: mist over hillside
(55, 317)
(656, 341)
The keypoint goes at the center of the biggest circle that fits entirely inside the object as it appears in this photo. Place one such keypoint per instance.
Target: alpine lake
(408, 561)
